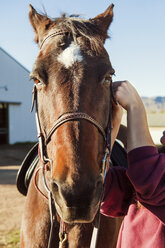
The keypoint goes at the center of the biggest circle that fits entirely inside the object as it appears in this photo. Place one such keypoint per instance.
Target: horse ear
(36, 21)
(104, 20)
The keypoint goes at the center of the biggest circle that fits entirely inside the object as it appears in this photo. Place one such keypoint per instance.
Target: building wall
(21, 124)
(18, 94)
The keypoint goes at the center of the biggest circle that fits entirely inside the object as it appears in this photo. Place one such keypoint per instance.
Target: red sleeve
(118, 193)
(146, 171)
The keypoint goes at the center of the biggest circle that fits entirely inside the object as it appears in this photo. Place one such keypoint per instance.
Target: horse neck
(79, 235)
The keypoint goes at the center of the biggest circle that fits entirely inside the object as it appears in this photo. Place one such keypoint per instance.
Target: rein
(45, 139)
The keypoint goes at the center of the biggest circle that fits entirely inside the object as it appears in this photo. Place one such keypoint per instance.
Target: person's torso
(141, 229)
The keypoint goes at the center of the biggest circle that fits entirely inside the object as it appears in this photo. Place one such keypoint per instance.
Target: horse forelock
(79, 27)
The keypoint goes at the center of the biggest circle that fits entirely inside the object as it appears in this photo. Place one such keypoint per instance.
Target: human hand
(138, 134)
(126, 95)
(162, 140)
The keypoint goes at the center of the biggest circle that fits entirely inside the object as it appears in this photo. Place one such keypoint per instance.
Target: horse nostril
(78, 195)
(54, 186)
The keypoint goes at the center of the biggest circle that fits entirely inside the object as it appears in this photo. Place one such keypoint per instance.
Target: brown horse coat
(72, 73)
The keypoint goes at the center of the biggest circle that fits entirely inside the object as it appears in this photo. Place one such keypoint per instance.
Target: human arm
(146, 172)
(118, 193)
(138, 134)
(146, 167)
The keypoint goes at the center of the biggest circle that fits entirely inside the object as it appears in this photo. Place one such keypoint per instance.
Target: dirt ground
(11, 201)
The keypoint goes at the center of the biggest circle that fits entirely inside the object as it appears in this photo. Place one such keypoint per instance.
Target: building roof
(1, 49)
(14, 79)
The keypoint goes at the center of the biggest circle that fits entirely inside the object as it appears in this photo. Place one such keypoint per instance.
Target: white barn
(17, 124)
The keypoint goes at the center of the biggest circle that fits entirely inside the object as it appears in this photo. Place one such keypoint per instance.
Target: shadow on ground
(13, 154)
(11, 157)
(8, 174)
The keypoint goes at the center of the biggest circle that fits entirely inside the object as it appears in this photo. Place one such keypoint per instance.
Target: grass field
(10, 240)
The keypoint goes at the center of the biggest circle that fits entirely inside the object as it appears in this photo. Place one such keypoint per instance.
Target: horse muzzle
(78, 204)
(77, 214)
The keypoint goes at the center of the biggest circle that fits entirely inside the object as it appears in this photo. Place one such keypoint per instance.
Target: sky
(136, 47)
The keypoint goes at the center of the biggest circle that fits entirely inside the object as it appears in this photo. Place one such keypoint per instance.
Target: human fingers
(116, 84)
(126, 94)
(118, 91)
(121, 91)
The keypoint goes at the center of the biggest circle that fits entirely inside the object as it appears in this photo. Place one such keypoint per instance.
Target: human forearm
(138, 134)
(137, 128)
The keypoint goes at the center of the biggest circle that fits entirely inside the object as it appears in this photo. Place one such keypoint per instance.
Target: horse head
(72, 74)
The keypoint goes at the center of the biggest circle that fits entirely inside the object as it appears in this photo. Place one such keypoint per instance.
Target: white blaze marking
(70, 55)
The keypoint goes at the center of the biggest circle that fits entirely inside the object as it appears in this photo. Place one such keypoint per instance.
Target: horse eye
(36, 81)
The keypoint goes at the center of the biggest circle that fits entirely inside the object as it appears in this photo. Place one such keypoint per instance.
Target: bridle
(45, 139)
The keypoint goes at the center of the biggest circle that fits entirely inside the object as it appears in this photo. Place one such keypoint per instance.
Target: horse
(72, 77)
